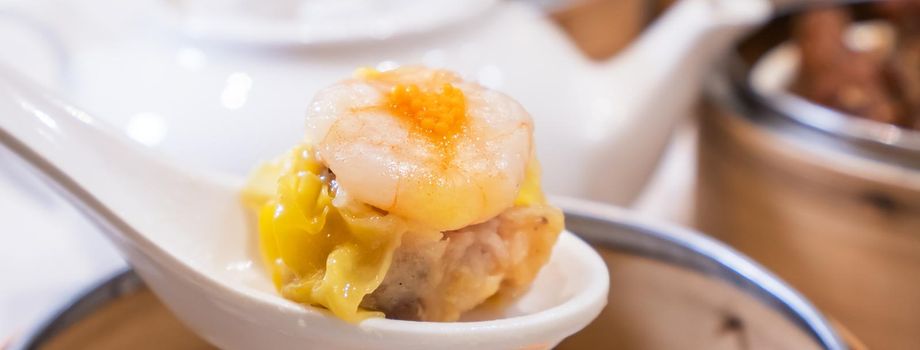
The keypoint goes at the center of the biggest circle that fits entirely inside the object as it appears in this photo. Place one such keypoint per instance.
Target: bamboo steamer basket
(829, 202)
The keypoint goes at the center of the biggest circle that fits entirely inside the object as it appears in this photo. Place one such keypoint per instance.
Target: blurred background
(790, 130)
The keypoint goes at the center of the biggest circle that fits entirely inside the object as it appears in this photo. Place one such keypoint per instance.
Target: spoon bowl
(190, 238)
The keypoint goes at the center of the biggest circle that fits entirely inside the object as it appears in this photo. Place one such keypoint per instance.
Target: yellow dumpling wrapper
(530, 192)
(319, 254)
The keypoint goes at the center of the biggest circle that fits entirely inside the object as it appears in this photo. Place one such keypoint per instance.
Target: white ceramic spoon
(189, 237)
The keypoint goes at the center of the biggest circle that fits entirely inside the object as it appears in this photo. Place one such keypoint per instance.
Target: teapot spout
(668, 61)
(651, 84)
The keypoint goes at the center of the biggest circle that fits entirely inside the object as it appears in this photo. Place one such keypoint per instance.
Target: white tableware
(188, 235)
(168, 72)
(665, 276)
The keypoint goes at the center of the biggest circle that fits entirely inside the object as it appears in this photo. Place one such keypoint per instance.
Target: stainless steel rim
(77, 309)
(817, 117)
(624, 231)
(601, 225)
(837, 123)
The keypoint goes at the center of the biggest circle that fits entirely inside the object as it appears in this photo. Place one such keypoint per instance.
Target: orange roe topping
(440, 114)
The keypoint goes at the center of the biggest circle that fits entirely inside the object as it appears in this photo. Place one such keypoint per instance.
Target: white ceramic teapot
(226, 83)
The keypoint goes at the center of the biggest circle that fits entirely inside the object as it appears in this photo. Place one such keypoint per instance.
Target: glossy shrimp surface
(415, 195)
(423, 144)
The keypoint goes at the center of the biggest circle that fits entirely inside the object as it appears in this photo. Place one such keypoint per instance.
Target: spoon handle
(52, 135)
(103, 174)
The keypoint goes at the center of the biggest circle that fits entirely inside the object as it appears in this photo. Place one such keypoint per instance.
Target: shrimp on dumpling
(415, 194)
